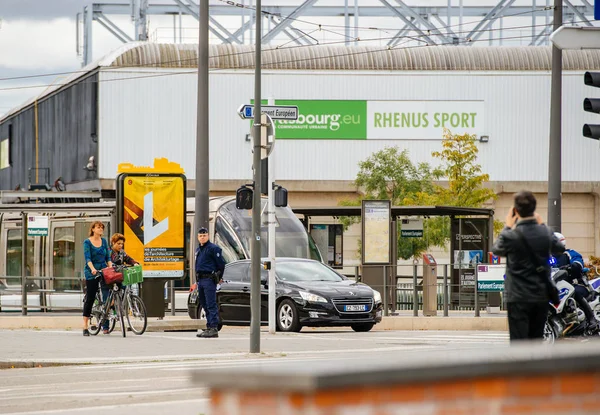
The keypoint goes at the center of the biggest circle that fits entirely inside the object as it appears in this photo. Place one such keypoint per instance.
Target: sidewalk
(458, 320)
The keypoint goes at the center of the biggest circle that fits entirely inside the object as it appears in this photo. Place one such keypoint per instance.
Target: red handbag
(111, 276)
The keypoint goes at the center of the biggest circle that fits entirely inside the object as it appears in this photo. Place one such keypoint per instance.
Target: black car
(309, 293)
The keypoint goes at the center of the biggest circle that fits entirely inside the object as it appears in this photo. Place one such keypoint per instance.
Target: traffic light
(592, 105)
(243, 197)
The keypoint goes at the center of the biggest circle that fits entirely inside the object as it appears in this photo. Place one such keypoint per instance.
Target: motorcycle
(566, 319)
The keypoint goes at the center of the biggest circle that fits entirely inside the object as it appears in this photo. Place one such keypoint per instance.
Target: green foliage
(390, 174)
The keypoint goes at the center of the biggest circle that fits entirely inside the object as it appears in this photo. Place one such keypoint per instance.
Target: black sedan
(309, 293)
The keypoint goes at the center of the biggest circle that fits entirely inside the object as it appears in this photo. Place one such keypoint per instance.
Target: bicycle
(135, 310)
(101, 311)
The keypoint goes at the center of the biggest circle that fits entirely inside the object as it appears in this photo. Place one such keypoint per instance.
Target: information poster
(153, 214)
(376, 243)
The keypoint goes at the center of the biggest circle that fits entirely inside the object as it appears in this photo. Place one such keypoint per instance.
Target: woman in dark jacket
(118, 255)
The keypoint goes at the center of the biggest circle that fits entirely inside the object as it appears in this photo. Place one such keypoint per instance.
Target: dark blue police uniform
(209, 261)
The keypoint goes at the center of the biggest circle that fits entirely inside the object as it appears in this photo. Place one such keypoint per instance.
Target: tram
(55, 262)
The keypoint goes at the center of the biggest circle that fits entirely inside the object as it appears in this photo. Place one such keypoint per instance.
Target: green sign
(37, 226)
(324, 120)
(411, 233)
(490, 277)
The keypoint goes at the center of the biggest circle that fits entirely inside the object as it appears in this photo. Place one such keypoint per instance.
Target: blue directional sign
(597, 9)
(276, 112)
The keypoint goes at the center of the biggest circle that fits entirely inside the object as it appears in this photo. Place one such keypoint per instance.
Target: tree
(390, 174)
(465, 181)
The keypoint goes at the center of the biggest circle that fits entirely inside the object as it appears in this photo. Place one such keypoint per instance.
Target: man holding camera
(527, 244)
(209, 266)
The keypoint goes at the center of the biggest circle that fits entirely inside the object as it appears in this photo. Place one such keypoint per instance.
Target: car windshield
(293, 241)
(295, 271)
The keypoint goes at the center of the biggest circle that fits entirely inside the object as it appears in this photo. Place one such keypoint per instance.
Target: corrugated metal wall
(155, 116)
(66, 121)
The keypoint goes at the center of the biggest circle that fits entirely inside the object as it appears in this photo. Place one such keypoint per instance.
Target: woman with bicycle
(97, 256)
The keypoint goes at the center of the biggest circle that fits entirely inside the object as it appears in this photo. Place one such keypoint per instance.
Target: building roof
(350, 58)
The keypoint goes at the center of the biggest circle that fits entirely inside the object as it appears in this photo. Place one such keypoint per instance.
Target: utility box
(429, 285)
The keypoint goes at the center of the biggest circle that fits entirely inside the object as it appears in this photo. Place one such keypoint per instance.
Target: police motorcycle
(566, 319)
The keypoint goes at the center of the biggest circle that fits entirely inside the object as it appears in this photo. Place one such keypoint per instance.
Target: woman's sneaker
(86, 332)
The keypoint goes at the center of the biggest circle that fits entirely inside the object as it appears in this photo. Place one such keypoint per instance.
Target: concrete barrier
(526, 379)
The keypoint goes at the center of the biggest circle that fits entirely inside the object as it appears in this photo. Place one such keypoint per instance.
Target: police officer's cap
(202, 230)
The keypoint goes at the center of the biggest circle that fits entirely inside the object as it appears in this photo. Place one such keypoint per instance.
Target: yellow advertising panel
(153, 221)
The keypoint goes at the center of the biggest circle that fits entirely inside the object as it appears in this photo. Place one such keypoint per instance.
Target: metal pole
(172, 289)
(355, 22)
(256, 205)
(272, 230)
(415, 298)
(445, 290)
(24, 263)
(356, 276)
(202, 159)
(476, 293)
(346, 23)
(385, 293)
(555, 156)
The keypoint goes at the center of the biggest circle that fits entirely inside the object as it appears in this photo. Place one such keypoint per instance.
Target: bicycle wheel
(121, 312)
(135, 310)
(95, 322)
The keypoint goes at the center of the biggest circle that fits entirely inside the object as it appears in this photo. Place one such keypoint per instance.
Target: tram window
(63, 259)
(13, 255)
(232, 251)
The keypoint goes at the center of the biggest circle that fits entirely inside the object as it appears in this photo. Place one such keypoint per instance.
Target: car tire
(362, 327)
(287, 317)
(200, 314)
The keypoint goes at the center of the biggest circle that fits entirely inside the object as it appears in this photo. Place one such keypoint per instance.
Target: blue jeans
(207, 294)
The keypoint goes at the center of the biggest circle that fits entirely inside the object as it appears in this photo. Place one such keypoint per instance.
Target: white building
(139, 103)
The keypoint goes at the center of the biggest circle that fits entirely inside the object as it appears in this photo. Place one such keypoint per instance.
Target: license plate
(361, 307)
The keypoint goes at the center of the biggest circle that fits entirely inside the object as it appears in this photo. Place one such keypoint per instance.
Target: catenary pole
(272, 231)
(555, 152)
(202, 159)
(256, 203)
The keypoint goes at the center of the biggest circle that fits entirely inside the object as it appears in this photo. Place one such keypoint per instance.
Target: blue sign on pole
(597, 9)
(248, 110)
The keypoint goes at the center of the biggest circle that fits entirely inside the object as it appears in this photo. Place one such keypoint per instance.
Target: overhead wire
(320, 25)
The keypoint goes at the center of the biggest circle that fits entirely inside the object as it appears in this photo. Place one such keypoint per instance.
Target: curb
(458, 323)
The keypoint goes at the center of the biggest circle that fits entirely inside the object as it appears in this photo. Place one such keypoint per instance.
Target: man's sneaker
(200, 332)
(209, 333)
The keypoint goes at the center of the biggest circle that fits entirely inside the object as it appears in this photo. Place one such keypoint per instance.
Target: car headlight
(376, 296)
(312, 298)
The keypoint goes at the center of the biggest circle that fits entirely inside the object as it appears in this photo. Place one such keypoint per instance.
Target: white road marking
(95, 393)
(103, 409)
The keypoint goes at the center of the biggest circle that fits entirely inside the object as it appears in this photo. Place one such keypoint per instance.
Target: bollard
(415, 293)
(476, 294)
(385, 296)
(356, 276)
(445, 290)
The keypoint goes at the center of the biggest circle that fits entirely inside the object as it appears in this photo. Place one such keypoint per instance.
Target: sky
(38, 37)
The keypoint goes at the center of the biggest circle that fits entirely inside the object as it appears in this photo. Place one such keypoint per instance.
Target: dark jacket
(209, 258)
(523, 283)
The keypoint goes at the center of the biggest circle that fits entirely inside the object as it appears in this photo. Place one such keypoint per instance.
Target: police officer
(209, 269)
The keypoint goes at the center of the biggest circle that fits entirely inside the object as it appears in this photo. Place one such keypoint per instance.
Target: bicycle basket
(133, 275)
(111, 276)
